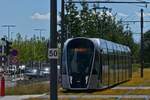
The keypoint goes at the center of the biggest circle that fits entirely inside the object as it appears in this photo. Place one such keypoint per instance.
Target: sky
(129, 12)
(28, 15)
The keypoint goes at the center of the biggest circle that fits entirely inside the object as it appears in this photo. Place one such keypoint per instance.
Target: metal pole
(53, 44)
(8, 33)
(40, 32)
(8, 26)
(62, 34)
(142, 61)
(113, 2)
(3, 54)
(11, 36)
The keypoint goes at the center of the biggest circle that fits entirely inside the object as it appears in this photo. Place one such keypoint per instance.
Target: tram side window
(117, 62)
(126, 61)
(119, 67)
(115, 66)
(104, 60)
(105, 67)
(129, 65)
(111, 67)
(123, 66)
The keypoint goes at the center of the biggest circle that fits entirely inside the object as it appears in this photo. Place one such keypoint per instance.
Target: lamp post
(40, 31)
(8, 26)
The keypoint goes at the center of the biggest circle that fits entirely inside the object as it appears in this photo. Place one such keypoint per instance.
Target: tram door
(97, 71)
(105, 69)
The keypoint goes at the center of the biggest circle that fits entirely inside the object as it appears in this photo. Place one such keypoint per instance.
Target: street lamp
(40, 31)
(8, 26)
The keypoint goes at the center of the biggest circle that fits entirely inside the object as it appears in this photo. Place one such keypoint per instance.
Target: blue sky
(26, 15)
(30, 14)
(130, 12)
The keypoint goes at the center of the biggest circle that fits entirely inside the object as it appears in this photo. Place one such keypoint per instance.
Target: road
(20, 97)
(76, 97)
(131, 88)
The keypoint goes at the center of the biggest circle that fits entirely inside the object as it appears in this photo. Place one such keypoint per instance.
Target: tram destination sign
(53, 53)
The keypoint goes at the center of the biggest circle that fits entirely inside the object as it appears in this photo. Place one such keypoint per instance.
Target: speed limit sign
(53, 53)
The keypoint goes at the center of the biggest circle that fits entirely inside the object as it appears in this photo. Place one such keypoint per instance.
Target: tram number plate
(53, 53)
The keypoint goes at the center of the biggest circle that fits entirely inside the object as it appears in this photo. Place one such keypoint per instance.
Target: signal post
(3, 60)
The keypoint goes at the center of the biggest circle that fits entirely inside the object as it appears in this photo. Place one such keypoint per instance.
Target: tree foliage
(147, 47)
(32, 49)
(83, 21)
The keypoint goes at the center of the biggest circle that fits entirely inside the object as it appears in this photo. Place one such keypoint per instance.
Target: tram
(92, 63)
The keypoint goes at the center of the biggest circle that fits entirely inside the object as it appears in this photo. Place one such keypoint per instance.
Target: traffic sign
(53, 53)
(13, 60)
(14, 52)
(3, 58)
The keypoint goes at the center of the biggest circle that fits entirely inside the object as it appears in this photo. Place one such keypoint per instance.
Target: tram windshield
(80, 57)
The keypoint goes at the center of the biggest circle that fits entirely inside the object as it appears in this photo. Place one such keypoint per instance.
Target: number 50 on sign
(53, 53)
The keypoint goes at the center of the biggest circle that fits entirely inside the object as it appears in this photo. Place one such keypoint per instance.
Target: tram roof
(105, 44)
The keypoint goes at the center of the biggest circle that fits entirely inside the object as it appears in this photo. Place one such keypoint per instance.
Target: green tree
(71, 19)
(82, 21)
(30, 49)
(147, 47)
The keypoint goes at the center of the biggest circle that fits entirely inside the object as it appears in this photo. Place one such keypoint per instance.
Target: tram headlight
(86, 79)
(71, 79)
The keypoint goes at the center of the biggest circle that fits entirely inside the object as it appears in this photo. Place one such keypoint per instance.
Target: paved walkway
(104, 96)
(132, 88)
(118, 97)
(146, 97)
(20, 97)
(86, 96)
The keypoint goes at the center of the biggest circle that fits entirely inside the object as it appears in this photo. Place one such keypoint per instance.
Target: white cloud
(122, 14)
(58, 18)
(107, 13)
(39, 16)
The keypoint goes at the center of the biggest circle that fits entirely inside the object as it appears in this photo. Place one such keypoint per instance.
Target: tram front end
(78, 62)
